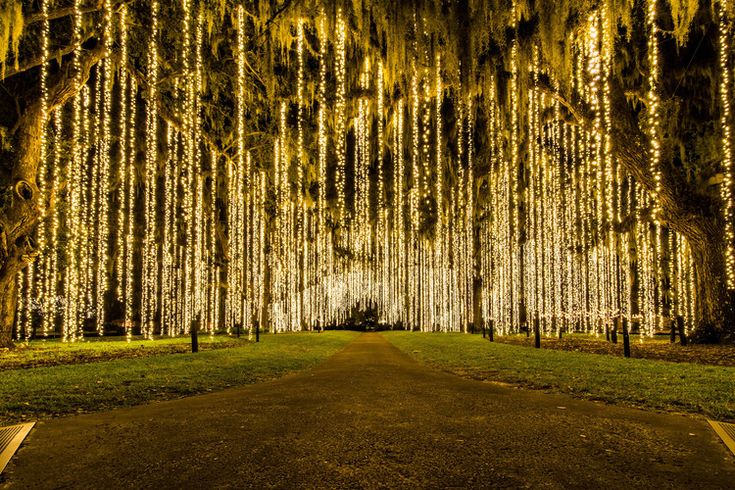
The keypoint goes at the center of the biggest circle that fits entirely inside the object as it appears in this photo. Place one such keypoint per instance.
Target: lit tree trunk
(19, 193)
(477, 304)
(694, 215)
(265, 307)
(19, 213)
(708, 256)
(7, 310)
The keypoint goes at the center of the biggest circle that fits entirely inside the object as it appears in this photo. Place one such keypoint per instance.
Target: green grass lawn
(37, 353)
(681, 387)
(74, 388)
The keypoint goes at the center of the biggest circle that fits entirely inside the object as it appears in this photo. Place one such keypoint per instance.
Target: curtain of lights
(180, 234)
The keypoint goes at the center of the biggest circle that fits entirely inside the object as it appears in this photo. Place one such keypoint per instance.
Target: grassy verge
(680, 387)
(39, 353)
(51, 391)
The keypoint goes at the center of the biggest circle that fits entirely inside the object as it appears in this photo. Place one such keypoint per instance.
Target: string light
(50, 308)
(150, 251)
(547, 232)
(512, 259)
(189, 153)
(442, 248)
(131, 187)
(73, 262)
(168, 284)
(340, 116)
(380, 271)
(213, 267)
(726, 192)
(301, 218)
(104, 182)
(123, 189)
(413, 252)
(45, 295)
(196, 292)
(322, 232)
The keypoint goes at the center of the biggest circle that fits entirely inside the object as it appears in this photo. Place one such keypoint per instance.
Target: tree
(21, 125)
(474, 38)
(691, 150)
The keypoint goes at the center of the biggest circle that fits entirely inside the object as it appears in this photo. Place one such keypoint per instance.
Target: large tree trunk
(265, 307)
(692, 214)
(19, 193)
(19, 213)
(713, 304)
(8, 301)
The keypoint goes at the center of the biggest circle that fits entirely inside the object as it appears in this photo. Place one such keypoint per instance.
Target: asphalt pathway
(371, 417)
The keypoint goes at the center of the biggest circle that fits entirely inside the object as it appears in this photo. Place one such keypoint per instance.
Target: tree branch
(171, 118)
(40, 59)
(582, 115)
(62, 12)
(686, 211)
(61, 87)
(65, 84)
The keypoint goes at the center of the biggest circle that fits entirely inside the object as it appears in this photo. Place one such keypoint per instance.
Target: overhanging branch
(693, 218)
(62, 12)
(172, 119)
(38, 60)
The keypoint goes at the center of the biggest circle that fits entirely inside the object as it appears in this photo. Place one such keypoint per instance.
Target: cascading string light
(531, 247)
(382, 272)
(212, 258)
(399, 214)
(51, 306)
(104, 183)
(512, 259)
(569, 191)
(44, 294)
(441, 250)
(323, 246)
(235, 303)
(414, 198)
(470, 216)
(362, 183)
(340, 114)
(150, 251)
(26, 305)
(235, 272)
(198, 299)
(88, 211)
(73, 262)
(95, 190)
(168, 313)
(122, 189)
(275, 256)
(594, 70)
(301, 164)
(188, 156)
(653, 123)
(726, 188)
(130, 188)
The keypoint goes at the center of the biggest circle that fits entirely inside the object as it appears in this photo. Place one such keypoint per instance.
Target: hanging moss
(11, 30)
(682, 13)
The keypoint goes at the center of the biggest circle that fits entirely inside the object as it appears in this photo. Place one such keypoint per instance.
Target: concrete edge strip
(12, 446)
(720, 430)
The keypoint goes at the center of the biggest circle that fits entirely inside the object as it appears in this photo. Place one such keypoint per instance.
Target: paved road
(372, 417)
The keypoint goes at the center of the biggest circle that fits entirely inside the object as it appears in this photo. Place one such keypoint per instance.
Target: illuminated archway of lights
(541, 247)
